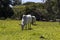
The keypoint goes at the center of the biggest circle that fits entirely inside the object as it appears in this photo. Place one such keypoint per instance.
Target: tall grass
(11, 30)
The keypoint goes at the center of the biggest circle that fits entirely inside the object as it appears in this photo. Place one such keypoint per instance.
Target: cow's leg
(29, 26)
(26, 26)
(22, 27)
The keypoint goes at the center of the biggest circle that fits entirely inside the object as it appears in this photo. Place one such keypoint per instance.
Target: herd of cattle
(27, 20)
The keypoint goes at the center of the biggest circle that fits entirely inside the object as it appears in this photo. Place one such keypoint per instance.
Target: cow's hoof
(29, 28)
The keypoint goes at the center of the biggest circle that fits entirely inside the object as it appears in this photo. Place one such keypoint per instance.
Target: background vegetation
(50, 10)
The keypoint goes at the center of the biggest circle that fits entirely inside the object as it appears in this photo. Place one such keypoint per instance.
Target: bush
(18, 12)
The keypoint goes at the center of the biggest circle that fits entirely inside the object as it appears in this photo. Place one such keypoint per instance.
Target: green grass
(11, 30)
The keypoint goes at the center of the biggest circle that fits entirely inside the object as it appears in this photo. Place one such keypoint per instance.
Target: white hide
(26, 20)
(33, 19)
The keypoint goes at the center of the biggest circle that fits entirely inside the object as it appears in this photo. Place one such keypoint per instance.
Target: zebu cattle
(26, 21)
(33, 20)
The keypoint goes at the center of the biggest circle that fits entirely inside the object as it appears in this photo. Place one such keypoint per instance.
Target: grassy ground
(11, 30)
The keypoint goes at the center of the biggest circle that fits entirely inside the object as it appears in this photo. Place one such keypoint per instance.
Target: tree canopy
(5, 10)
(50, 10)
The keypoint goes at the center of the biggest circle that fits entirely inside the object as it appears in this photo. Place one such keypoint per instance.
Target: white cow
(33, 20)
(26, 21)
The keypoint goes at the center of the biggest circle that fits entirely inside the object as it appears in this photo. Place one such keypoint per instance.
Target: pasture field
(11, 30)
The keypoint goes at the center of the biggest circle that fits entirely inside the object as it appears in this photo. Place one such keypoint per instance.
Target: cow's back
(29, 18)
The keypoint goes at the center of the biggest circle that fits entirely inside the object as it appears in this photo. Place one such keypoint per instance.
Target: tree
(34, 9)
(5, 10)
(58, 9)
(51, 9)
(17, 2)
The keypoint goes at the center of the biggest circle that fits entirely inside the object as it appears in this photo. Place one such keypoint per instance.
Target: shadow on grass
(35, 24)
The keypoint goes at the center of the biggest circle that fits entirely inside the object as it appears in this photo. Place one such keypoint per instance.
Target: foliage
(18, 11)
(5, 10)
(50, 10)
(26, 9)
(16, 2)
(42, 11)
